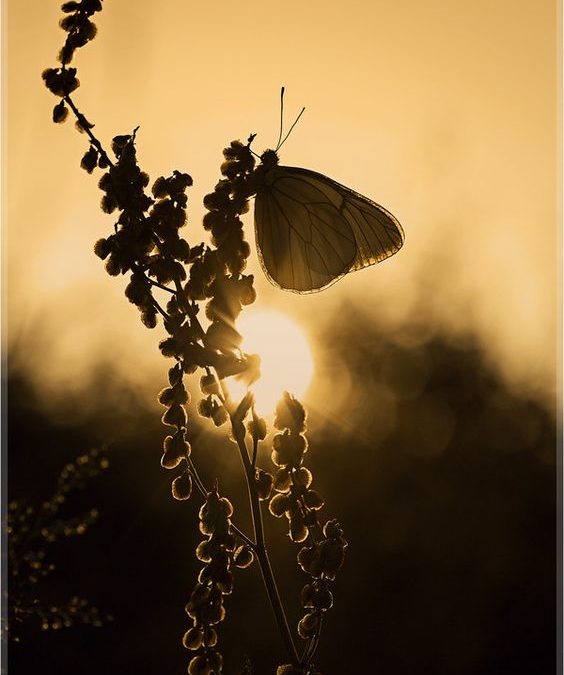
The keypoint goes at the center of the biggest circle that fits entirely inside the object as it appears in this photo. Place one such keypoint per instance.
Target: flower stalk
(261, 551)
(146, 245)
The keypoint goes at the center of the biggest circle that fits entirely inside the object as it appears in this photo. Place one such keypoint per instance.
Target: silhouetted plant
(31, 531)
(170, 278)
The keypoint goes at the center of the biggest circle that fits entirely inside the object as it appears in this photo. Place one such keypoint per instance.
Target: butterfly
(311, 231)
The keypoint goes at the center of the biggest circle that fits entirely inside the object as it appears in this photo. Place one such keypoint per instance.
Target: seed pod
(313, 500)
(298, 530)
(244, 557)
(278, 505)
(263, 482)
(308, 625)
(193, 638)
(182, 487)
(282, 480)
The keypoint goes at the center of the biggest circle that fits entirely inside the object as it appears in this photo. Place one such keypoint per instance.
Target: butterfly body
(311, 230)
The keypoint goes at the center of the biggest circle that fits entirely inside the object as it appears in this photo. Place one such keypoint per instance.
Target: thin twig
(261, 552)
(161, 286)
(159, 309)
(312, 645)
(85, 126)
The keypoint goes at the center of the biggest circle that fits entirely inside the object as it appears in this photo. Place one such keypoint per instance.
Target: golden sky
(444, 112)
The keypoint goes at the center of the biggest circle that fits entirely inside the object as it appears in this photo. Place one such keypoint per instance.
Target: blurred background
(432, 404)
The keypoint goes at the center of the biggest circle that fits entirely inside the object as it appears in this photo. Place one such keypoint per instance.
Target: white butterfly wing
(304, 242)
(312, 230)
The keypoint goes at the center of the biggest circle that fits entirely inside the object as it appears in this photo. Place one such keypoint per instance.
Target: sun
(286, 360)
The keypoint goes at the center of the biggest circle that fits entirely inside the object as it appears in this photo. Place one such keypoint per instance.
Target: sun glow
(286, 360)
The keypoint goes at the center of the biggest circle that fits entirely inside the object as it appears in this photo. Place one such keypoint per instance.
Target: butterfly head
(269, 159)
(262, 175)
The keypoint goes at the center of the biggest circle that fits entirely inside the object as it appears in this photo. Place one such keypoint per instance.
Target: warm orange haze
(385, 496)
(443, 112)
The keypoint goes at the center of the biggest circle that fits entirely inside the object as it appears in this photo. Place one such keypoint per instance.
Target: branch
(261, 552)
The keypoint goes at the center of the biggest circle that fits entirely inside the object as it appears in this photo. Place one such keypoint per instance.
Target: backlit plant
(182, 284)
(33, 529)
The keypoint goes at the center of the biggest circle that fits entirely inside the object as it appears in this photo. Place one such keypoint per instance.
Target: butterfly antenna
(281, 118)
(290, 130)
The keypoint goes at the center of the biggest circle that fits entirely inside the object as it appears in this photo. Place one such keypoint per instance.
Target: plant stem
(203, 491)
(261, 553)
(85, 127)
(312, 645)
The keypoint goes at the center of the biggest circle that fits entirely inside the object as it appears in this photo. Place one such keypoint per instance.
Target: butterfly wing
(304, 242)
(312, 230)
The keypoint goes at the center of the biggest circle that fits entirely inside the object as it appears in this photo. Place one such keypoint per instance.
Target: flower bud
(298, 530)
(204, 550)
(282, 480)
(175, 394)
(102, 248)
(210, 637)
(303, 477)
(199, 598)
(332, 530)
(182, 487)
(290, 447)
(306, 557)
(313, 500)
(193, 638)
(279, 504)
(257, 427)
(244, 557)
(175, 374)
(209, 384)
(206, 407)
(175, 416)
(318, 598)
(263, 482)
(60, 112)
(308, 625)
(290, 414)
(333, 554)
(226, 507)
(199, 666)
(247, 292)
(149, 317)
(90, 159)
(175, 450)
(220, 416)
